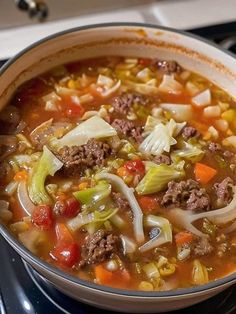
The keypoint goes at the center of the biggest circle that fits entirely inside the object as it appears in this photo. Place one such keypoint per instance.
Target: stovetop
(24, 291)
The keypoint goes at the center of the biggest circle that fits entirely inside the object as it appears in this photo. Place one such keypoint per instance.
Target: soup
(121, 171)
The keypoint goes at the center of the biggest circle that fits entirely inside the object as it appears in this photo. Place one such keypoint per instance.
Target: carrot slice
(118, 278)
(183, 237)
(204, 173)
(21, 176)
(103, 276)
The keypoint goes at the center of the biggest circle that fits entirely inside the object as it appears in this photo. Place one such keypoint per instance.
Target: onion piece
(203, 99)
(11, 188)
(153, 243)
(164, 236)
(180, 112)
(212, 112)
(128, 245)
(129, 195)
(170, 85)
(184, 219)
(24, 199)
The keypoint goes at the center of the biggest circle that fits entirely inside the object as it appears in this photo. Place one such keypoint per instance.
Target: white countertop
(182, 14)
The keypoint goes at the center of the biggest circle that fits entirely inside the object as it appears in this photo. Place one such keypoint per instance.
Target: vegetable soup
(121, 171)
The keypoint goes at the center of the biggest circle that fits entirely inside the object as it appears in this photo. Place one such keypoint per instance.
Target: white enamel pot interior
(136, 40)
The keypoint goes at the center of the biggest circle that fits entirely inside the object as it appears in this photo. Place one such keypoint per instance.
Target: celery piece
(157, 178)
(47, 165)
(92, 195)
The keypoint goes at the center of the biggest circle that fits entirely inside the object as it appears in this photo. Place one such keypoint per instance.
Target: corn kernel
(71, 84)
(83, 185)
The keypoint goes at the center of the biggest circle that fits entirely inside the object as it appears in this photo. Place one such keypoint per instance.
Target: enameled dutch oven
(125, 39)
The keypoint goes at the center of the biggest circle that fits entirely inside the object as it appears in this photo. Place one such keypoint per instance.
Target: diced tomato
(135, 166)
(147, 203)
(72, 207)
(144, 61)
(63, 234)
(66, 254)
(42, 217)
(74, 111)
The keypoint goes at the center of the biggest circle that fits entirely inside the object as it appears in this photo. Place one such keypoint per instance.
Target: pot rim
(213, 285)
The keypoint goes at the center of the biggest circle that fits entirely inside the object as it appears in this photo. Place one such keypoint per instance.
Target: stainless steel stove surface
(24, 291)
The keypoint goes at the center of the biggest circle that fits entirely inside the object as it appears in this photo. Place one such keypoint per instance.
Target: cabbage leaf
(47, 165)
(83, 219)
(91, 196)
(161, 138)
(94, 127)
(157, 178)
(188, 152)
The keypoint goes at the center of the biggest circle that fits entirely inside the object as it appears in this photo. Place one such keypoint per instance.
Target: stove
(24, 291)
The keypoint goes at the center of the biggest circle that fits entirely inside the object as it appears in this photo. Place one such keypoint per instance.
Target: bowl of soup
(118, 165)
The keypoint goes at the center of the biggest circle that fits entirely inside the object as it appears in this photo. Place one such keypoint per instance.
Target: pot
(123, 39)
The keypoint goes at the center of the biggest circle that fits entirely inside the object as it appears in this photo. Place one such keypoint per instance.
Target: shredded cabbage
(161, 138)
(188, 152)
(83, 219)
(91, 196)
(129, 195)
(143, 88)
(152, 122)
(47, 165)
(94, 127)
(157, 178)
(105, 86)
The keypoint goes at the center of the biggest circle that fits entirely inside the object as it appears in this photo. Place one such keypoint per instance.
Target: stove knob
(35, 8)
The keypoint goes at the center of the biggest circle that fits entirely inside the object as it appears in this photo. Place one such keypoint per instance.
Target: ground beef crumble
(224, 191)
(187, 195)
(128, 129)
(162, 159)
(167, 66)
(77, 159)
(99, 247)
(122, 203)
(203, 247)
(123, 102)
(189, 132)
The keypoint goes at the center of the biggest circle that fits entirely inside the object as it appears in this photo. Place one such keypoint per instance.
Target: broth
(121, 171)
